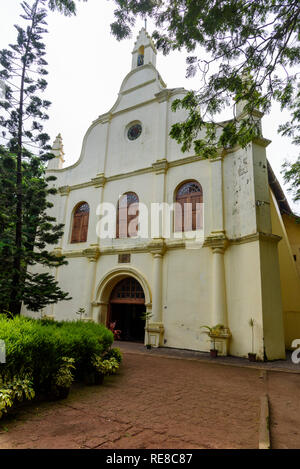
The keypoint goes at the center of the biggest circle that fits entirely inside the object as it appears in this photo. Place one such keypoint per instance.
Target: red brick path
(153, 402)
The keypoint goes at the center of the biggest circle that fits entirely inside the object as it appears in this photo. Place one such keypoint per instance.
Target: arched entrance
(127, 308)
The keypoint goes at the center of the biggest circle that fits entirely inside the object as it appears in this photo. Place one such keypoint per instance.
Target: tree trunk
(15, 301)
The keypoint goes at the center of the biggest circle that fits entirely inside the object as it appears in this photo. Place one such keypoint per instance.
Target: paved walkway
(277, 365)
(160, 402)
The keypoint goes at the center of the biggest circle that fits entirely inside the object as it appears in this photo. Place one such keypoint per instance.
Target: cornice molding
(64, 190)
(214, 241)
(99, 180)
(160, 166)
(141, 85)
(167, 93)
(259, 236)
(92, 252)
(157, 247)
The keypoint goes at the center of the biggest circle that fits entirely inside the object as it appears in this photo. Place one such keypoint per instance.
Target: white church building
(235, 256)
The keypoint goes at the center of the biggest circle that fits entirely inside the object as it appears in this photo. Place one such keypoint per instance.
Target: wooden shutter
(80, 223)
(188, 196)
(123, 217)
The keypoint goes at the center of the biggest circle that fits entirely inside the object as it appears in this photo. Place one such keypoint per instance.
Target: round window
(134, 131)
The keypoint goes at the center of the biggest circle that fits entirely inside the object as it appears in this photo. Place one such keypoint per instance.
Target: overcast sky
(87, 66)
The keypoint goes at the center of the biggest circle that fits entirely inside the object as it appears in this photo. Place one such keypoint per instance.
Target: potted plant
(103, 367)
(63, 379)
(252, 355)
(116, 332)
(213, 333)
(81, 312)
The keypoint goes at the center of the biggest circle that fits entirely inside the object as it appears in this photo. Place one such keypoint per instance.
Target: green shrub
(64, 377)
(114, 353)
(105, 367)
(14, 388)
(38, 346)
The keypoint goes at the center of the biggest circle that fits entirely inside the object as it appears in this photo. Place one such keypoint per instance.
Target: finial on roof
(58, 152)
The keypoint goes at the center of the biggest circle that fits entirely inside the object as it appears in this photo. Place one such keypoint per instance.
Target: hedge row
(37, 348)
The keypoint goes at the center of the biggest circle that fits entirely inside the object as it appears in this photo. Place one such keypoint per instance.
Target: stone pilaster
(216, 179)
(92, 253)
(154, 326)
(99, 183)
(218, 245)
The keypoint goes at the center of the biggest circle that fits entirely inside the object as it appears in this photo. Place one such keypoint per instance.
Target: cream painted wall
(292, 227)
(186, 298)
(271, 301)
(289, 278)
(240, 214)
(153, 166)
(75, 285)
(243, 287)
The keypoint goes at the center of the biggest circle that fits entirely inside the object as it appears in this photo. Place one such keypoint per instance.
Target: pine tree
(24, 198)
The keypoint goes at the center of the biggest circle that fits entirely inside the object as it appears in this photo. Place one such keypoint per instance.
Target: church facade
(235, 259)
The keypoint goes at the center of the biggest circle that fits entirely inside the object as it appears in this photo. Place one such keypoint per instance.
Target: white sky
(87, 66)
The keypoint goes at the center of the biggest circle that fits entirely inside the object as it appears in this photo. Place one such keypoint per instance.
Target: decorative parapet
(99, 180)
(64, 190)
(160, 166)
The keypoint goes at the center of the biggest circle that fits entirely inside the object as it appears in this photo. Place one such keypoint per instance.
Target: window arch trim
(80, 222)
(123, 217)
(188, 192)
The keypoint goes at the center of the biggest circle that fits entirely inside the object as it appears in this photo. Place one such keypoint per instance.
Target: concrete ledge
(264, 424)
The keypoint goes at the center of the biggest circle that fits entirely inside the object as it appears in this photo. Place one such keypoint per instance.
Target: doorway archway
(127, 308)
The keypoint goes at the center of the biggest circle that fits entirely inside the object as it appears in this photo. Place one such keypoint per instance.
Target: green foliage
(81, 312)
(14, 388)
(64, 377)
(214, 332)
(67, 7)
(114, 353)
(39, 346)
(291, 175)
(105, 366)
(26, 230)
(246, 54)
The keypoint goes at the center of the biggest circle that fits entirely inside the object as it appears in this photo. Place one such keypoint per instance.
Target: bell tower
(144, 51)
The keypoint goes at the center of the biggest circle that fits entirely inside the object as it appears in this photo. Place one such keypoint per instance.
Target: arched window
(128, 290)
(140, 59)
(189, 207)
(80, 223)
(127, 215)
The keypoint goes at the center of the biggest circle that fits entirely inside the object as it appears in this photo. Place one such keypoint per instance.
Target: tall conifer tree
(23, 112)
